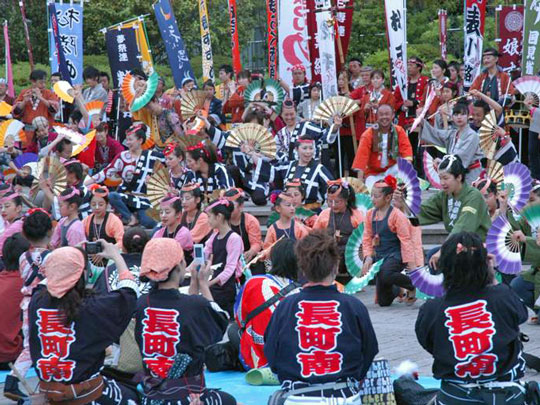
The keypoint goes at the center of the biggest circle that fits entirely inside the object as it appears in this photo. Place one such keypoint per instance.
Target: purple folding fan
(25, 158)
(518, 183)
(429, 284)
(498, 243)
(408, 177)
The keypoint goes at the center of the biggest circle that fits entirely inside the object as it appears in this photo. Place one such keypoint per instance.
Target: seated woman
(82, 326)
(387, 236)
(170, 212)
(11, 205)
(472, 332)
(175, 159)
(285, 226)
(342, 218)
(332, 367)
(44, 141)
(189, 323)
(193, 216)
(264, 291)
(70, 230)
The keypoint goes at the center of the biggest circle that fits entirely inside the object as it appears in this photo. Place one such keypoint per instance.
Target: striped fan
(14, 128)
(359, 282)
(80, 142)
(24, 159)
(357, 185)
(53, 170)
(192, 103)
(518, 183)
(94, 107)
(529, 85)
(5, 109)
(408, 178)
(128, 88)
(256, 136)
(499, 243)
(532, 215)
(268, 91)
(363, 203)
(429, 284)
(141, 100)
(353, 251)
(488, 141)
(431, 173)
(337, 105)
(158, 184)
(63, 90)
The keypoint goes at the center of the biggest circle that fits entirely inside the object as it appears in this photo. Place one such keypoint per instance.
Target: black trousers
(534, 155)
(452, 394)
(389, 279)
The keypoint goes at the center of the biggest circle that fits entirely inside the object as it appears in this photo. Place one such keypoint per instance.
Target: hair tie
(34, 210)
(135, 237)
(274, 196)
(168, 200)
(219, 201)
(74, 192)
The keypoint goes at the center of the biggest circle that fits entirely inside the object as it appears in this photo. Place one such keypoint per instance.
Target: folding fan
(431, 173)
(12, 128)
(256, 136)
(429, 284)
(192, 103)
(424, 184)
(363, 203)
(499, 243)
(94, 107)
(128, 88)
(357, 185)
(337, 105)
(54, 171)
(518, 183)
(359, 282)
(64, 90)
(8, 175)
(158, 184)
(192, 141)
(5, 109)
(488, 140)
(494, 171)
(408, 181)
(353, 251)
(532, 214)
(142, 99)
(24, 159)
(529, 85)
(302, 213)
(268, 91)
(79, 141)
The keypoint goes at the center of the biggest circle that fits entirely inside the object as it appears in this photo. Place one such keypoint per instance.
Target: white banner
(473, 30)
(396, 28)
(293, 38)
(327, 48)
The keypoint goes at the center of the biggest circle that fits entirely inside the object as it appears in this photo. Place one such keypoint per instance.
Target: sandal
(411, 298)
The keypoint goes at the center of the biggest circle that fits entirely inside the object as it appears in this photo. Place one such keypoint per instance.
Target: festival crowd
(131, 259)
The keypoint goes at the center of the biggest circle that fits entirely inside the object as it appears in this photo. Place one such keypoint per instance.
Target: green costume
(531, 254)
(468, 212)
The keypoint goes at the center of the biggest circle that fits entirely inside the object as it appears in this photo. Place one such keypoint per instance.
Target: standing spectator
(300, 88)
(355, 66)
(235, 104)
(227, 87)
(95, 90)
(307, 107)
(493, 82)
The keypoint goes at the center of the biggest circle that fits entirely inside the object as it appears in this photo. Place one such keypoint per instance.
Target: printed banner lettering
(343, 17)
(473, 27)
(396, 30)
(9, 71)
(531, 32)
(63, 23)
(235, 45)
(206, 44)
(272, 21)
(174, 44)
(327, 47)
(293, 44)
(510, 37)
(443, 32)
(311, 20)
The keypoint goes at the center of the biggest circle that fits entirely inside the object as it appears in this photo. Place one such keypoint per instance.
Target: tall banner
(343, 17)
(311, 21)
(327, 47)
(235, 45)
(70, 28)
(145, 55)
(58, 49)
(293, 38)
(7, 60)
(272, 22)
(207, 57)
(27, 34)
(174, 44)
(510, 36)
(473, 27)
(443, 33)
(396, 31)
(531, 32)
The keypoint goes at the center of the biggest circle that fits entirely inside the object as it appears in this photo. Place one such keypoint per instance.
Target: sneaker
(11, 389)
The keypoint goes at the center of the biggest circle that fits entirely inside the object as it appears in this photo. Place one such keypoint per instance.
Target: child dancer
(170, 212)
(102, 224)
(11, 208)
(70, 230)
(193, 217)
(285, 226)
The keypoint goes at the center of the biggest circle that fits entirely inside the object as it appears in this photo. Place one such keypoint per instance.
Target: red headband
(34, 210)
(198, 146)
(294, 183)
(99, 191)
(134, 128)
(239, 193)
(305, 140)
(190, 187)
(169, 149)
(298, 66)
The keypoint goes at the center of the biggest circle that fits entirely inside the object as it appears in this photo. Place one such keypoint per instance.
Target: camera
(93, 248)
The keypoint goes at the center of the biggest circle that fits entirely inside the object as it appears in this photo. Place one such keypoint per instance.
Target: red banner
(271, 16)
(443, 33)
(235, 45)
(312, 42)
(344, 17)
(510, 36)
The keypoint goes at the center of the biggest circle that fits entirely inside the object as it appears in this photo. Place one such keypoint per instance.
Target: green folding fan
(359, 282)
(532, 215)
(268, 91)
(151, 86)
(363, 202)
(353, 251)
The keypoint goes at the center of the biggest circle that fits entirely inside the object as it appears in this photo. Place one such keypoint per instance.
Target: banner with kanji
(443, 33)
(311, 20)
(510, 36)
(174, 44)
(7, 60)
(396, 31)
(66, 33)
(235, 45)
(327, 48)
(272, 23)
(206, 43)
(531, 31)
(473, 28)
(343, 17)
(293, 38)
(142, 42)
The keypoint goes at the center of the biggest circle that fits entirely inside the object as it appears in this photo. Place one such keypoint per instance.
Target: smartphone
(198, 253)
(93, 248)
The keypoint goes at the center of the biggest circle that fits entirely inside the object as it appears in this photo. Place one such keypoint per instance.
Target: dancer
(70, 229)
(285, 226)
(193, 216)
(102, 224)
(170, 212)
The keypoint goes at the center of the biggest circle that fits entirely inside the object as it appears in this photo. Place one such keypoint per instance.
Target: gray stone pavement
(394, 327)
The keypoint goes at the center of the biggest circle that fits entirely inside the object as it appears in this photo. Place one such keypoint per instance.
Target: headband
(63, 269)
(34, 210)
(99, 191)
(417, 62)
(74, 192)
(70, 162)
(305, 140)
(198, 146)
(294, 183)
(134, 128)
(239, 193)
(168, 200)
(388, 181)
(339, 183)
(169, 149)
(298, 66)
(219, 201)
(288, 104)
(190, 187)
(9, 197)
(281, 195)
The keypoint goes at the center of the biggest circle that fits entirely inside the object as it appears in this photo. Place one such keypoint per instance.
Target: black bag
(408, 392)
(222, 357)
(532, 393)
